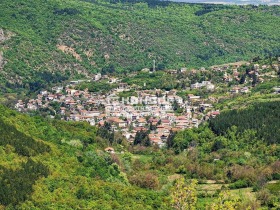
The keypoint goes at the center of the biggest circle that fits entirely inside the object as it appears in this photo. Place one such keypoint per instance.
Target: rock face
(2, 35)
(69, 50)
(1, 60)
(3, 38)
(5, 35)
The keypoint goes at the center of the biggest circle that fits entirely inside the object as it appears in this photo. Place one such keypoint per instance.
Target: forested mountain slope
(49, 163)
(44, 42)
(67, 170)
(261, 117)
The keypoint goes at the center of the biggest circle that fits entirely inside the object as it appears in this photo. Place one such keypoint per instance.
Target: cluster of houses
(207, 84)
(231, 70)
(225, 67)
(259, 71)
(143, 110)
(237, 89)
(148, 110)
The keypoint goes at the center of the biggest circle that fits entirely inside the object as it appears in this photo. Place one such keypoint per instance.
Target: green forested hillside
(68, 170)
(261, 117)
(51, 164)
(62, 165)
(75, 38)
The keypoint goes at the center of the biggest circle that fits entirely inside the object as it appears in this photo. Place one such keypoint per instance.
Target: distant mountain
(46, 42)
(238, 2)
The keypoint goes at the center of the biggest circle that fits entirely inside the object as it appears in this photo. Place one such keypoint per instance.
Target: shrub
(239, 184)
(145, 180)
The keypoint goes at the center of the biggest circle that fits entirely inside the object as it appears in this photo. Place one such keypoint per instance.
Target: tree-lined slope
(65, 171)
(48, 163)
(261, 117)
(74, 37)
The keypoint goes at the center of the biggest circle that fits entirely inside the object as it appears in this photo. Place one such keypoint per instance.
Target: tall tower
(154, 65)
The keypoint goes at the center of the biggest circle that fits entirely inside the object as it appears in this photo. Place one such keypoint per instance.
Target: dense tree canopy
(49, 42)
(262, 117)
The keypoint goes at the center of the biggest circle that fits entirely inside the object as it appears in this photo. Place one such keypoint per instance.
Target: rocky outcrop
(1, 59)
(2, 39)
(69, 50)
(2, 35)
(5, 35)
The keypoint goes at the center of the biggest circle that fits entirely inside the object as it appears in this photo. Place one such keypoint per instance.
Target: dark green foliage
(108, 70)
(66, 11)
(274, 188)
(173, 34)
(263, 117)
(44, 79)
(218, 144)
(176, 107)
(142, 138)
(151, 3)
(158, 80)
(23, 144)
(106, 132)
(127, 94)
(98, 165)
(206, 8)
(239, 184)
(170, 139)
(242, 79)
(102, 86)
(16, 185)
(75, 177)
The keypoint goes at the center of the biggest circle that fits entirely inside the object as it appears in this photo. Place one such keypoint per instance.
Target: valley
(134, 104)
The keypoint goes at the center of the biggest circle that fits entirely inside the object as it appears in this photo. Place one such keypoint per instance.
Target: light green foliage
(75, 143)
(75, 172)
(101, 86)
(236, 156)
(225, 201)
(183, 195)
(67, 174)
(159, 80)
(175, 35)
(70, 169)
(127, 94)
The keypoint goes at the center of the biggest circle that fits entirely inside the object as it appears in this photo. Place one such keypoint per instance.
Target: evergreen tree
(170, 139)
(142, 138)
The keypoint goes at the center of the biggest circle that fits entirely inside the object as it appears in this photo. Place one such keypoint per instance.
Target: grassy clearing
(210, 192)
(209, 187)
(244, 193)
(203, 202)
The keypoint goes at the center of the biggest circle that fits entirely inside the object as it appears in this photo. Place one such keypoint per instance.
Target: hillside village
(127, 115)
(158, 111)
(108, 104)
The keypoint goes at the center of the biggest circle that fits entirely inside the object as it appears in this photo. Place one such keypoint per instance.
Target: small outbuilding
(109, 150)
